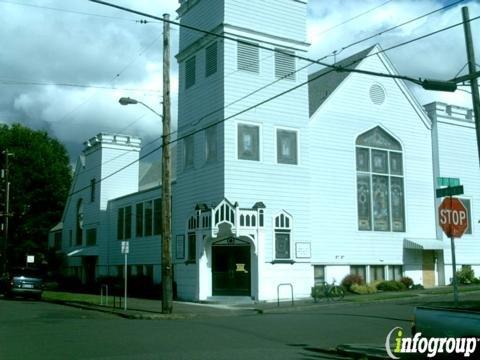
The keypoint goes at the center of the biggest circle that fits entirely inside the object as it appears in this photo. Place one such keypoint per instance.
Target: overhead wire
(65, 10)
(331, 69)
(354, 17)
(311, 79)
(6, 81)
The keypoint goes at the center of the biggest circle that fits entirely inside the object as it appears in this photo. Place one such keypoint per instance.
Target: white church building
(335, 177)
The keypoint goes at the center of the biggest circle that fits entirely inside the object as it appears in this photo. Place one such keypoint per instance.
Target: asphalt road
(38, 330)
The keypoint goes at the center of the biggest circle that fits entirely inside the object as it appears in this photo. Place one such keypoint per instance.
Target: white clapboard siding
(347, 113)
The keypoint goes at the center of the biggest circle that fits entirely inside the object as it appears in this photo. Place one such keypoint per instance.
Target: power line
(355, 17)
(331, 69)
(6, 81)
(322, 58)
(66, 10)
(276, 50)
(400, 25)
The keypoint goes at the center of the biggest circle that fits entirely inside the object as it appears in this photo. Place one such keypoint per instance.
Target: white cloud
(60, 47)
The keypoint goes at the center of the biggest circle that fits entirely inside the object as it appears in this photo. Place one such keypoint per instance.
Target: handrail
(278, 292)
(102, 288)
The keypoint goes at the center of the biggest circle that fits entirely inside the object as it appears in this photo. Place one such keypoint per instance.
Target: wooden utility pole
(472, 72)
(167, 285)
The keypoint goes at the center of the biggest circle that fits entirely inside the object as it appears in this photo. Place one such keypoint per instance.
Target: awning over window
(423, 244)
(86, 251)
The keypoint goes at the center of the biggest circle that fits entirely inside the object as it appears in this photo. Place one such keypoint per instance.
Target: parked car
(446, 322)
(26, 282)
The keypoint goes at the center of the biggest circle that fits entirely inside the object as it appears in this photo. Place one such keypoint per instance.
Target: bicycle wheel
(336, 293)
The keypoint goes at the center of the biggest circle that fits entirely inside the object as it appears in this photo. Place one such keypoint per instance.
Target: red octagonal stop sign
(453, 217)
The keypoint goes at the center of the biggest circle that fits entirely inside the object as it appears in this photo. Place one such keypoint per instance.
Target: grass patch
(72, 297)
(381, 296)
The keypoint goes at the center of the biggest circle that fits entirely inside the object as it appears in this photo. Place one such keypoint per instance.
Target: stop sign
(453, 217)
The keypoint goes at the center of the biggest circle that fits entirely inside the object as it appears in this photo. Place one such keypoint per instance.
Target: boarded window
(211, 59)
(287, 147)
(284, 64)
(248, 57)
(190, 72)
(248, 142)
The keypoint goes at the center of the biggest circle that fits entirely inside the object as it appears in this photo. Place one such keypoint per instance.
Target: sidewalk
(152, 309)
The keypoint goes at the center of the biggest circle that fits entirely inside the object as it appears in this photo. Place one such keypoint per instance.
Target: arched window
(282, 236)
(380, 190)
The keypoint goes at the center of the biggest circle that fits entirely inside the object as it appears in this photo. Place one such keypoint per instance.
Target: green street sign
(446, 181)
(449, 191)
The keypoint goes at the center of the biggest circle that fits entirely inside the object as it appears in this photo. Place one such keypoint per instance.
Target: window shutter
(284, 64)
(211, 59)
(248, 57)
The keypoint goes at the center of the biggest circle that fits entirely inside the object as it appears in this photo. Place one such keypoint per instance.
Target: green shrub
(465, 276)
(391, 285)
(351, 279)
(363, 289)
(476, 281)
(408, 282)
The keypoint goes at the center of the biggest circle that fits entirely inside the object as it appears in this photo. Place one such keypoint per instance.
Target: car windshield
(32, 273)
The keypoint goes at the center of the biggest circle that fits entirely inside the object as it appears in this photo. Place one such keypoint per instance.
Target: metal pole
(454, 262)
(472, 70)
(167, 286)
(125, 276)
(454, 268)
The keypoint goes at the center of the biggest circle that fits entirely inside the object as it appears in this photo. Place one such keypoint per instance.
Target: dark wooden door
(231, 273)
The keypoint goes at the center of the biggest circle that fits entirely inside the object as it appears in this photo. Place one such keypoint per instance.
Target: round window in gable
(377, 94)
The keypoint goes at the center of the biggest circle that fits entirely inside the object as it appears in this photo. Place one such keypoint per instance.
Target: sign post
(453, 219)
(125, 250)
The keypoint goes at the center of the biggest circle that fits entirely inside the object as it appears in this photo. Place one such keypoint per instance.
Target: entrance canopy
(423, 244)
(86, 251)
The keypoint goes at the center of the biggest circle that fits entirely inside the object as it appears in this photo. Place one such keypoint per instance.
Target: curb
(121, 313)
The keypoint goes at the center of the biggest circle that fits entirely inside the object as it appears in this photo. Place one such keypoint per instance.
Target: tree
(40, 177)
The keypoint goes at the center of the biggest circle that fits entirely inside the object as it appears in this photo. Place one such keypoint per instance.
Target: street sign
(446, 181)
(125, 247)
(449, 191)
(30, 259)
(453, 217)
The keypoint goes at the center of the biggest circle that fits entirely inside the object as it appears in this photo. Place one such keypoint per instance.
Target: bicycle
(331, 291)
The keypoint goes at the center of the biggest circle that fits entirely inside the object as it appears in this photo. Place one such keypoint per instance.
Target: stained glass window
(380, 189)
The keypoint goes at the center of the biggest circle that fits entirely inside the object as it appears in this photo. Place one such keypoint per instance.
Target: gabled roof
(327, 80)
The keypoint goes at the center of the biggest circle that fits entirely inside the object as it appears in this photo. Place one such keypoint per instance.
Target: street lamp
(129, 101)
(167, 281)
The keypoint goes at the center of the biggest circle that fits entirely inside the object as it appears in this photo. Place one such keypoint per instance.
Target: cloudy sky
(103, 54)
